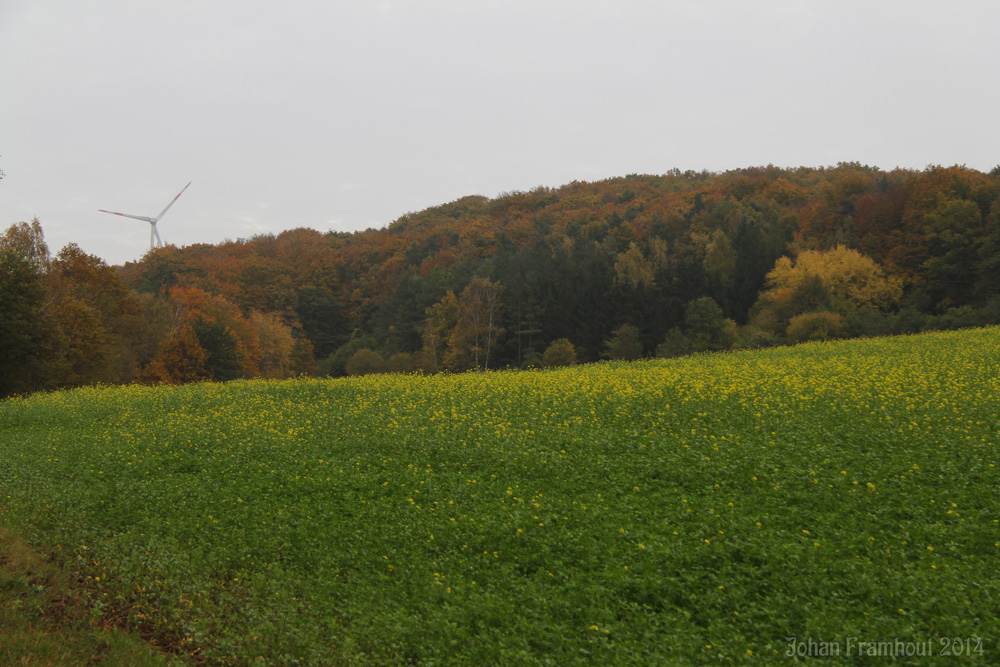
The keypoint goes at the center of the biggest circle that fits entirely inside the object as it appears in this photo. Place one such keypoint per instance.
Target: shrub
(365, 362)
(336, 364)
(625, 345)
(676, 344)
(401, 362)
(815, 326)
(753, 337)
(560, 353)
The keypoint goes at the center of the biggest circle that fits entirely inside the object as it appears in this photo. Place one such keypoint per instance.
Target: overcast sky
(346, 115)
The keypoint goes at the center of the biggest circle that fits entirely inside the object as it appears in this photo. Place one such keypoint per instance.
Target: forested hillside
(623, 268)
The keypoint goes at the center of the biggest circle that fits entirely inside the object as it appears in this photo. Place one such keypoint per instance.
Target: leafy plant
(682, 511)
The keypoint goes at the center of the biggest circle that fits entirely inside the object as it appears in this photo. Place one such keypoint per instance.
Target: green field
(665, 512)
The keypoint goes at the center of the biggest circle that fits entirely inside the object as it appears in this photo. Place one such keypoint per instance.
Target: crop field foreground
(664, 512)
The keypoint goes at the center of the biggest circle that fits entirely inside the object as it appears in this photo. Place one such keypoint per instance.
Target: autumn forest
(629, 267)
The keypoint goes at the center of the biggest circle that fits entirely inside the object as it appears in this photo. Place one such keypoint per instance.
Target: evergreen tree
(707, 328)
(22, 330)
(750, 268)
(223, 358)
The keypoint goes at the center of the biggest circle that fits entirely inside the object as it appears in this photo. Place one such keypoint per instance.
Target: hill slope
(579, 261)
(684, 261)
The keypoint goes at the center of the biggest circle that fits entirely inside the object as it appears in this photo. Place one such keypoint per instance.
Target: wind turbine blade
(171, 202)
(159, 241)
(126, 215)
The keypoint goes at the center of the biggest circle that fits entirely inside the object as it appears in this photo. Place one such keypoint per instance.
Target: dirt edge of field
(47, 617)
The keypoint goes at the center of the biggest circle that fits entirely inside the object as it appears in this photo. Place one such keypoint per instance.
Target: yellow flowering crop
(485, 517)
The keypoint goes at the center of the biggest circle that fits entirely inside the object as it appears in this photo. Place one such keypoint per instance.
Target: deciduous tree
(477, 325)
(99, 321)
(846, 273)
(181, 360)
(28, 241)
(82, 351)
(633, 268)
(441, 320)
(276, 344)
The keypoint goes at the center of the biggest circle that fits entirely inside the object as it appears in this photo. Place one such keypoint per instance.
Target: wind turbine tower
(153, 234)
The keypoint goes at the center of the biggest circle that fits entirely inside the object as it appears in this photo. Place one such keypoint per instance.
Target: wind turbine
(152, 221)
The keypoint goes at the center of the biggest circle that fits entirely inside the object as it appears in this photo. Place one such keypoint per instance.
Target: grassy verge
(47, 619)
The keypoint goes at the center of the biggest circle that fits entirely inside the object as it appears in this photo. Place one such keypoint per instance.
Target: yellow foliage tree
(476, 328)
(844, 272)
(632, 268)
(276, 344)
(441, 319)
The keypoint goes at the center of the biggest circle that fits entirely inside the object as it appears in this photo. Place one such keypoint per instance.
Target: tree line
(625, 268)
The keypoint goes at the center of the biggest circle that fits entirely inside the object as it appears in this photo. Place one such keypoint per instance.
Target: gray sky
(346, 115)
